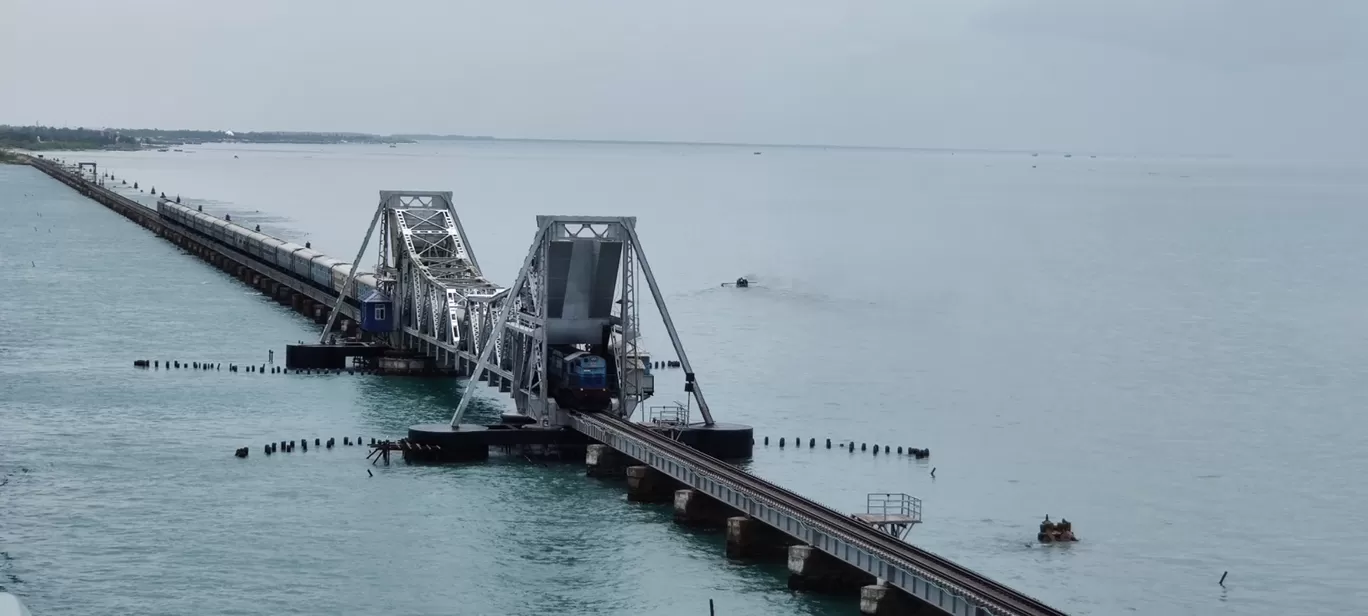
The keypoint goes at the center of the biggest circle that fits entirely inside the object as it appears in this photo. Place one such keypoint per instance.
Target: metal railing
(934, 579)
(668, 415)
(895, 506)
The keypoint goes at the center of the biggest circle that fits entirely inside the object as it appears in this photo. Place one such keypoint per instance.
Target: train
(302, 261)
(579, 379)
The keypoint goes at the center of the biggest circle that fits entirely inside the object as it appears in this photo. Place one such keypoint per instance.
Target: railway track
(996, 598)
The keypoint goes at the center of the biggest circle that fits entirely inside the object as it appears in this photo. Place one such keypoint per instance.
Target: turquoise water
(1165, 352)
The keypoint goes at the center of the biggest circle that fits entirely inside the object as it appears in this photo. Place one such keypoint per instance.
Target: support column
(750, 538)
(885, 600)
(647, 485)
(603, 461)
(694, 508)
(815, 570)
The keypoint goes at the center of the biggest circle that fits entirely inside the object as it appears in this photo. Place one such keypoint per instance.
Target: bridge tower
(428, 269)
(577, 294)
(564, 339)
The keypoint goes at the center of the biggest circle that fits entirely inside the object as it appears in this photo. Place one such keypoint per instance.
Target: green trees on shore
(53, 138)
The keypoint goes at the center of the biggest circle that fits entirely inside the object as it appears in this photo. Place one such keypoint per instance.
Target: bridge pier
(648, 485)
(815, 570)
(464, 444)
(884, 600)
(694, 508)
(749, 538)
(604, 461)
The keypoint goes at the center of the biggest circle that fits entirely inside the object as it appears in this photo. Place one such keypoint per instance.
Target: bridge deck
(933, 579)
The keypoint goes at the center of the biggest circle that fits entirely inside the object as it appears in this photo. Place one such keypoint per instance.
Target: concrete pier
(604, 461)
(884, 600)
(815, 570)
(648, 485)
(694, 508)
(749, 538)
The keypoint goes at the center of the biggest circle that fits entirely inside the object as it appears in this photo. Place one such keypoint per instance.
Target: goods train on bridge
(301, 261)
(580, 379)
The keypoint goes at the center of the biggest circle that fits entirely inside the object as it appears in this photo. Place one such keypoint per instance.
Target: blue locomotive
(579, 379)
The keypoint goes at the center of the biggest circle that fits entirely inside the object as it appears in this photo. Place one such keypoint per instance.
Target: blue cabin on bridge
(377, 313)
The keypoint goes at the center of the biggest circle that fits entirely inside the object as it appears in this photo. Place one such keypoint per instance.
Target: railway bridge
(575, 299)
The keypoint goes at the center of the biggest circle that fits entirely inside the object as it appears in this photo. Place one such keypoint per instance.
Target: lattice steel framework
(519, 324)
(435, 271)
(427, 267)
(447, 307)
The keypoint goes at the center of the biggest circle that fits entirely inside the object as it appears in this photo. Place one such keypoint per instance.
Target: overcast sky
(1241, 77)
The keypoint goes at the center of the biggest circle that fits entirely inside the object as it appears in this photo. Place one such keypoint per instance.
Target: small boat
(740, 283)
(1056, 532)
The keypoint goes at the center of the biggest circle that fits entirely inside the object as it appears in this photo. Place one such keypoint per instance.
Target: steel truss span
(575, 299)
(576, 292)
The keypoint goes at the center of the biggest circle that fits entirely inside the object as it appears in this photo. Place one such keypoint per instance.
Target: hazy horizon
(1244, 78)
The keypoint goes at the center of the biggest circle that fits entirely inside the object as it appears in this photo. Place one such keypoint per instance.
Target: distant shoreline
(43, 138)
